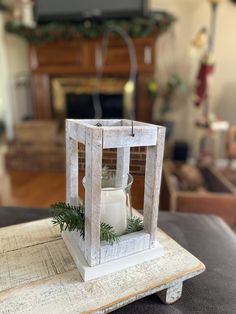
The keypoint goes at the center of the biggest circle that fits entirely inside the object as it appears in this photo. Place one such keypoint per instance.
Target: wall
(5, 95)
(173, 53)
(18, 60)
(2, 68)
(13, 61)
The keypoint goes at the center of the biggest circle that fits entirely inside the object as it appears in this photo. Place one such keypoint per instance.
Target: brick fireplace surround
(137, 159)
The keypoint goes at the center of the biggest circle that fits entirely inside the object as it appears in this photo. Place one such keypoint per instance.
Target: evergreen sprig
(108, 234)
(68, 217)
(72, 218)
(134, 224)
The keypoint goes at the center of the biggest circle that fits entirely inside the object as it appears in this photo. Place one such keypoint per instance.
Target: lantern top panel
(115, 133)
(108, 123)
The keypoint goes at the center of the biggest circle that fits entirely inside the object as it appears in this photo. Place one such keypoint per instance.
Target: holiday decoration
(209, 128)
(204, 74)
(207, 64)
(91, 29)
(104, 230)
(200, 40)
(72, 218)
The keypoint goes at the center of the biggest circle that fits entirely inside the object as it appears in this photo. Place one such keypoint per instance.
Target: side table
(207, 237)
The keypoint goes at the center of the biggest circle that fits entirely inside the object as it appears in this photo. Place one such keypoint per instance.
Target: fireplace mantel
(79, 58)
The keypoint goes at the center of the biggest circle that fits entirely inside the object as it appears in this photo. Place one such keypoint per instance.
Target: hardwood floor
(32, 189)
(42, 188)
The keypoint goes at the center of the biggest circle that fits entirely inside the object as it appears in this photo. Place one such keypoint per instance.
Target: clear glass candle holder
(116, 207)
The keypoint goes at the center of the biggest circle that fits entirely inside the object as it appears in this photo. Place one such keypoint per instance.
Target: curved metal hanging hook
(99, 65)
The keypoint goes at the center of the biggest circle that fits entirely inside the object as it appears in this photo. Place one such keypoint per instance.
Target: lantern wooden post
(153, 172)
(72, 171)
(93, 174)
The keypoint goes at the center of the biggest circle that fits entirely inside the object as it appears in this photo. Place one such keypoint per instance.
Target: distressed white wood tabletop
(38, 275)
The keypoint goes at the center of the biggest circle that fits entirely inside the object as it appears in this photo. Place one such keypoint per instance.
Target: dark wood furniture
(79, 58)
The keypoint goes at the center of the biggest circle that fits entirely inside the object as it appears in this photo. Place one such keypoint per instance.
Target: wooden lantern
(93, 257)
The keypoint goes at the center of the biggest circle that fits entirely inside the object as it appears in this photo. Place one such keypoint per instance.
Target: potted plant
(165, 95)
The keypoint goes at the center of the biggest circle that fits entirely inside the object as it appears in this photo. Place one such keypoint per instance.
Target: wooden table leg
(172, 294)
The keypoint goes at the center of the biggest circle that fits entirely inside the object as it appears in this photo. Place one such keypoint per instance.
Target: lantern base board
(88, 273)
(128, 244)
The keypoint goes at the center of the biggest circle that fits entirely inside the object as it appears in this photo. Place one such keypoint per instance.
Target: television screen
(49, 10)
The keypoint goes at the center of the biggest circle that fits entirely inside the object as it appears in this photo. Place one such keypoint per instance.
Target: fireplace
(87, 98)
(64, 85)
(55, 63)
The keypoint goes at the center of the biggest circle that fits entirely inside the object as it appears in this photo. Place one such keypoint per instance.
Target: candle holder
(116, 207)
(108, 200)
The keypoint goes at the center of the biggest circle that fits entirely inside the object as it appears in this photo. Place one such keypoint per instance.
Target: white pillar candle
(113, 209)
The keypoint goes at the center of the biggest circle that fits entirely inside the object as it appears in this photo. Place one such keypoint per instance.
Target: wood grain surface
(38, 274)
(39, 189)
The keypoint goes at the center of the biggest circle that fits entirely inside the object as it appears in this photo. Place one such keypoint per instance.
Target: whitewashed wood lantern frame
(97, 135)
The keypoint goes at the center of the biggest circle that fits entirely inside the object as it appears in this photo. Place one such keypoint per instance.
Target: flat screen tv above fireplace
(61, 10)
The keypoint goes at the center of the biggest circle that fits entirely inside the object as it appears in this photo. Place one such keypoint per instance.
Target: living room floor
(40, 189)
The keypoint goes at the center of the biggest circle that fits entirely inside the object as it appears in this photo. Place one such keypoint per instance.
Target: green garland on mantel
(135, 27)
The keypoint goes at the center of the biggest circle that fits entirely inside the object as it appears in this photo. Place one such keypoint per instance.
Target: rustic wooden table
(38, 275)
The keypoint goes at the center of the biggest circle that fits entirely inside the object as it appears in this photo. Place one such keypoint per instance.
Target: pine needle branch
(108, 233)
(68, 217)
(134, 224)
(72, 218)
